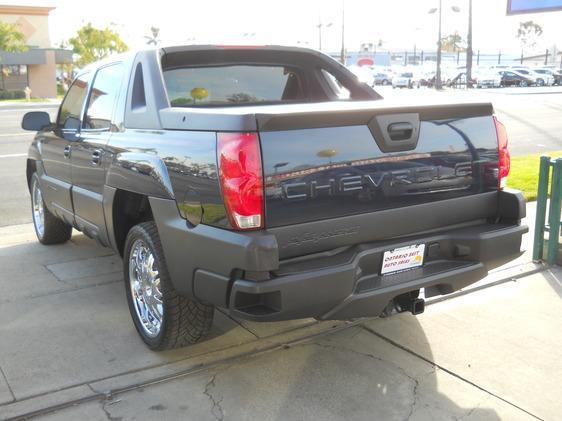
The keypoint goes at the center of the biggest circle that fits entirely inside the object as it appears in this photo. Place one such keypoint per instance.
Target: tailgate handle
(395, 132)
(400, 131)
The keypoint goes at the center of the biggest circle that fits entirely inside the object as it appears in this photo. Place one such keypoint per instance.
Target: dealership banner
(515, 7)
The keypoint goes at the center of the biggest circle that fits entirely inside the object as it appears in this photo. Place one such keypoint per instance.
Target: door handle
(66, 151)
(96, 157)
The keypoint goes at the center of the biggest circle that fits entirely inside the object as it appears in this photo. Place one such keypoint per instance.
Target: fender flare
(141, 173)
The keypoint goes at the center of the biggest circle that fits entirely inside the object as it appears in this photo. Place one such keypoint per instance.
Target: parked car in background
(424, 78)
(363, 73)
(403, 80)
(487, 79)
(539, 79)
(513, 78)
(556, 77)
(448, 74)
(458, 81)
(499, 67)
(382, 79)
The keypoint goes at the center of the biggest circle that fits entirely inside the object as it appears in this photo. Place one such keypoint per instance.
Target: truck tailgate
(324, 165)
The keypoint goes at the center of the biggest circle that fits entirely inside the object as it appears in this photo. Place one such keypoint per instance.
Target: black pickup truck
(270, 182)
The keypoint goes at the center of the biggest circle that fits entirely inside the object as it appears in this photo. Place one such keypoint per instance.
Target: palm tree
(153, 39)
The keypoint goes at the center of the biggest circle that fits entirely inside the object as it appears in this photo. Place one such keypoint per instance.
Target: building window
(13, 77)
(14, 69)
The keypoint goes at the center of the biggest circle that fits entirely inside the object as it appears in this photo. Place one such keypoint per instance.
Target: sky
(400, 24)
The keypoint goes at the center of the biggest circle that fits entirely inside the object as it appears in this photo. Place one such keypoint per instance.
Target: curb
(25, 105)
(509, 274)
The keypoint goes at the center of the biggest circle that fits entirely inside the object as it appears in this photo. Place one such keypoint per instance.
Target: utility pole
(319, 35)
(438, 84)
(320, 26)
(438, 71)
(469, 46)
(342, 54)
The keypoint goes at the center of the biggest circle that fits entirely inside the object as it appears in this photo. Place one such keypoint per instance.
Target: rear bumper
(243, 271)
(349, 285)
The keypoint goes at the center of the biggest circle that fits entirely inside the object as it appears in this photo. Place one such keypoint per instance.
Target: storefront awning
(35, 56)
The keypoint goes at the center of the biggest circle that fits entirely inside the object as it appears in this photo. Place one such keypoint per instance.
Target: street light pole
(469, 51)
(438, 82)
(320, 26)
(342, 54)
(438, 70)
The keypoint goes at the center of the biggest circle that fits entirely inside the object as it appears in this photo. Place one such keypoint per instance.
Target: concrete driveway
(68, 350)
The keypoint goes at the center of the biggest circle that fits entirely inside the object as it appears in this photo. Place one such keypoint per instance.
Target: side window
(69, 114)
(335, 86)
(103, 96)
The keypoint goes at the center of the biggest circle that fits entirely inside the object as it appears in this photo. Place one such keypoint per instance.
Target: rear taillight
(503, 154)
(241, 179)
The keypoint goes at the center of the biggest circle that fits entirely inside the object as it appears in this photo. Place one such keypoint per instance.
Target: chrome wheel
(38, 210)
(144, 279)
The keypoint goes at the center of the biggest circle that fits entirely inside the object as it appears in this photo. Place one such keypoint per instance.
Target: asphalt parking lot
(68, 349)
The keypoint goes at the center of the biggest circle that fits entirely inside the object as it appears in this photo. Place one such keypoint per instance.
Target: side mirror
(35, 121)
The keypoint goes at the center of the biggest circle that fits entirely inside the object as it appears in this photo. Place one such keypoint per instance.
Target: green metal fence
(553, 226)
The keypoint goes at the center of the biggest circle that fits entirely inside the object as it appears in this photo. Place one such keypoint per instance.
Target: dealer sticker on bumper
(402, 258)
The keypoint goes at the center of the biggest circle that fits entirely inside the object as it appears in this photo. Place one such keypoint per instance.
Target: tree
(529, 33)
(67, 70)
(11, 40)
(92, 44)
(452, 43)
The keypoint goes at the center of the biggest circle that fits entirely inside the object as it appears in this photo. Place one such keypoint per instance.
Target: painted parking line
(13, 155)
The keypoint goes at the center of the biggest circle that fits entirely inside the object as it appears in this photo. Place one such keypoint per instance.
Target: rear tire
(163, 318)
(48, 228)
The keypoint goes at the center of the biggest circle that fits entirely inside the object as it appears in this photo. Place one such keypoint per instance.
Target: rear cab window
(222, 76)
(233, 84)
(337, 88)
